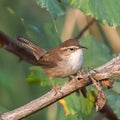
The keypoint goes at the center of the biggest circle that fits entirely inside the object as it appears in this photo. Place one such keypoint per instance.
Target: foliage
(106, 11)
(30, 20)
(53, 6)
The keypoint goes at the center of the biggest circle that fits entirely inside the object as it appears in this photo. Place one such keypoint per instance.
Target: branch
(84, 29)
(109, 70)
(15, 47)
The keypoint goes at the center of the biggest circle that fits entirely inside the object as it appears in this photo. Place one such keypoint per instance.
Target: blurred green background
(27, 19)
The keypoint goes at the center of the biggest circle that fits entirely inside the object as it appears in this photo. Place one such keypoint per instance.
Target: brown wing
(50, 58)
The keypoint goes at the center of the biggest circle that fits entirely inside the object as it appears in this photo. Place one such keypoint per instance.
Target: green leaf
(38, 76)
(113, 100)
(53, 6)
(78, 106)
(116, 87)
(107, 11)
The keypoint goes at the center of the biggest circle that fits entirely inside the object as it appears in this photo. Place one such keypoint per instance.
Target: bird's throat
(76, 60)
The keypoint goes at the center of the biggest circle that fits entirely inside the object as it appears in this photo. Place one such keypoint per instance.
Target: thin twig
(84, 29)
(101, 99)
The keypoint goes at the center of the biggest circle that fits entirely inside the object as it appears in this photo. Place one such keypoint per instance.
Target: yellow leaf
(64, 105)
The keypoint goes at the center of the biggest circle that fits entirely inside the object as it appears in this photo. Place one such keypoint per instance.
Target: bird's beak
(83, 47)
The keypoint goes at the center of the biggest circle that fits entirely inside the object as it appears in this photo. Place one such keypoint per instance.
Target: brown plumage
(55, 61)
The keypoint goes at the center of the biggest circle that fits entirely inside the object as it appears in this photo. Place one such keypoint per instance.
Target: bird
(62, 61)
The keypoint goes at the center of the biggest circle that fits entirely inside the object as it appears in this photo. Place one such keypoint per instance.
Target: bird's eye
(71, 49)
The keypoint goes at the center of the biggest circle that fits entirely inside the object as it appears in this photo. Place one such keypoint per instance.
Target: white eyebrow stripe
(69, 47)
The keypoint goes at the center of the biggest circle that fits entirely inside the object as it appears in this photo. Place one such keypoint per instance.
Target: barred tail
(37, 51)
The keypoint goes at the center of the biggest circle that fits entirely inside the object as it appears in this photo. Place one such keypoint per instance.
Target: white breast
(76, 60)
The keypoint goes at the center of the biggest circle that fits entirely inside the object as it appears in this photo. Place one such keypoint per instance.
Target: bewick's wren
(62, 61)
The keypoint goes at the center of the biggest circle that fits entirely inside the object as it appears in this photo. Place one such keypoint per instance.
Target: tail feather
(37, 51)
(22, 48)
